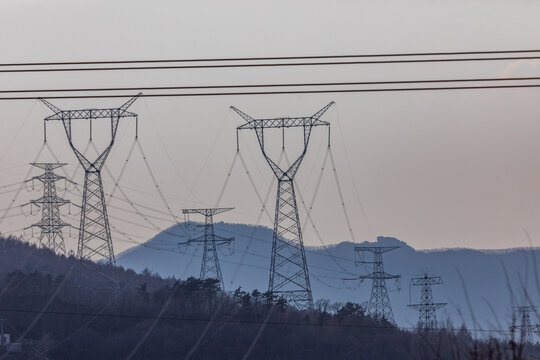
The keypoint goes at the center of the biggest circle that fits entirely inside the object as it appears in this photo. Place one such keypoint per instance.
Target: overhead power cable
(322, 91)
(271, 58)
(232, 321)
(278, 64)
(193, 87)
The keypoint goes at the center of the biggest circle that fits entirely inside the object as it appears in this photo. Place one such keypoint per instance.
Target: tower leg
(289, 275)
(95, 240)
(210, 267)
(379, 305)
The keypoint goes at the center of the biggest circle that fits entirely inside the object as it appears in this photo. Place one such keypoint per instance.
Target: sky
(435, 169)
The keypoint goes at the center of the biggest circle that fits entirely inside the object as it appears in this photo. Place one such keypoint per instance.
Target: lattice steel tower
(427, 317)
(379, 306)
(289, 275)
(210, 268)
(526, 328)
(95, 242)
(51, 224)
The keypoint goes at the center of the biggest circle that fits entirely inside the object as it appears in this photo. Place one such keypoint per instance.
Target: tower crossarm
(50, 200)
(48, 177)
(375, 249)
(379, 276)
(46, 225)
(283, 122)
(206, 212)
(431, 306)
(87, 114)
(259, 125)
(219, 240)
(48, 166)
(279, 123)
(427, 280)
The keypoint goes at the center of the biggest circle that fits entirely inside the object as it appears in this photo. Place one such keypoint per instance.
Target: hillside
(483, 272)
(57, 315)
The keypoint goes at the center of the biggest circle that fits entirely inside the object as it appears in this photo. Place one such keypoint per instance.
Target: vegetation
(60, 310)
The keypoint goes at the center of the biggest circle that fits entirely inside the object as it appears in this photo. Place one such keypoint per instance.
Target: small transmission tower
(379, 306)
(526, 328)
(289, 276)
(95, 242)
(51, 224)
(427, 318)
(210, 268)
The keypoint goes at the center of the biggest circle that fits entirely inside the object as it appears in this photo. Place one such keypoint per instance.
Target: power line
(280, 92)
(444, 53)
(237, 321)
(150, 88)
(220, 66)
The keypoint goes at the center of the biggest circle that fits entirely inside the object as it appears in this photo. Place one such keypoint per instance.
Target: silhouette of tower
(95, 242)
(289, 275)
(210, 267)
(379, 306)
(427, 318)
(51, 224)
(525, 327)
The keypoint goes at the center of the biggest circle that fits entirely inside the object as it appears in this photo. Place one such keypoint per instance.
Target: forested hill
(58, 309)
(487, 276)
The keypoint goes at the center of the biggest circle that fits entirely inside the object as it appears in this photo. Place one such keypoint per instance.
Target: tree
(142, 291)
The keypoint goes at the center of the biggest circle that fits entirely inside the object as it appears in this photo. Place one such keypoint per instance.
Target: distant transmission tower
(95, 242)
(51, 224)
(427, 319)
(210, 268)
(526, 328)
(289, 276)
(379, 306)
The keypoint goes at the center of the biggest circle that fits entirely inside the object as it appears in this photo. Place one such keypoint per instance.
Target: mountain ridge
(483, 274)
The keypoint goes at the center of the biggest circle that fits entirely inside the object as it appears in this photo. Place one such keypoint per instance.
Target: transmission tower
(526, 328)
(95, 242)
(379, 306)
(427, 318)
(51, 225)
(210, 268)
(289, 276)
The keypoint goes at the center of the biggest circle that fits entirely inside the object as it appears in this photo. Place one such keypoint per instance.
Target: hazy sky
(434, 169)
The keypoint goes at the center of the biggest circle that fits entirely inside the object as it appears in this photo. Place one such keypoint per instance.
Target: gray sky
(435, 169)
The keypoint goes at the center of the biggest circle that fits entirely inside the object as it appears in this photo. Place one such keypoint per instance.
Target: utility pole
(427, 318)
(289, 275)
(210, 267)
(526, 328)
(95, 241)
(51, 224)
(379, 306)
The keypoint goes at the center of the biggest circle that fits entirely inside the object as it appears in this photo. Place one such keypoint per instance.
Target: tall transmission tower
(427, 318)
(51, 224)
(210, 267)
(95, 242)
(379, 306)
(289, 275)
(525, 327)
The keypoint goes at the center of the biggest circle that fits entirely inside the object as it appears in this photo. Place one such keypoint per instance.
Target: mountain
(480, 286)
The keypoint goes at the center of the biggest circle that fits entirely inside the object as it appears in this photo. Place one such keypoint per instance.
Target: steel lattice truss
(526, 328)
(427, 318)
(210, 267)
(379, 306)
(51, 224)
(289, 275)
(95, 242)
